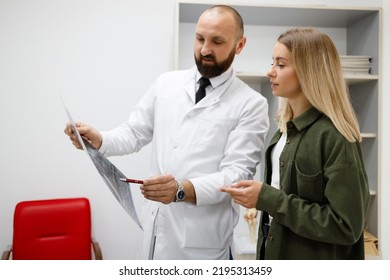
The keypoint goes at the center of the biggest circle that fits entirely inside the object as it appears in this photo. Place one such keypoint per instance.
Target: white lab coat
(214, 143)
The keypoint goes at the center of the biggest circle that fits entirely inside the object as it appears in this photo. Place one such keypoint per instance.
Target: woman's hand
(245, 192)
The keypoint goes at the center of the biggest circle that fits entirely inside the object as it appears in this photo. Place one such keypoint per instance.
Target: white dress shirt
(213, 143)
(275, 155)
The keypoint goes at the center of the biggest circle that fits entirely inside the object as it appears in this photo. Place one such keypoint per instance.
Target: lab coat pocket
(207, 230)
(310, 186)
(201, 237)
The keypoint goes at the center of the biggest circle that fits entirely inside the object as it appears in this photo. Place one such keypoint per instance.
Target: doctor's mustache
(209, 57)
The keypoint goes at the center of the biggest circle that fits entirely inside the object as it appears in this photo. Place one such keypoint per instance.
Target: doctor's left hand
(160, 188)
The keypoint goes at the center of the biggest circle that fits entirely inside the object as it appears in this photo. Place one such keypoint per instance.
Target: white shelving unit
(354, 30)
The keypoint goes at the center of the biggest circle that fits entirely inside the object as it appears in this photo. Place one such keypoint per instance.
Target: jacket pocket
(309, 186)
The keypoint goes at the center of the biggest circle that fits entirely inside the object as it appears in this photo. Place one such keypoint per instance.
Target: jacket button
(288, 141)
(270, 238)
(281, 163)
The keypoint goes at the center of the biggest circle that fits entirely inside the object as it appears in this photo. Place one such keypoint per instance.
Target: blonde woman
(315, 195)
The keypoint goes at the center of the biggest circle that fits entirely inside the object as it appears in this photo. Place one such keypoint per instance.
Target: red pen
(127, 180)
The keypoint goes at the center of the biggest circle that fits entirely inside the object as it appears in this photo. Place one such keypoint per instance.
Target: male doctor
(199, 144)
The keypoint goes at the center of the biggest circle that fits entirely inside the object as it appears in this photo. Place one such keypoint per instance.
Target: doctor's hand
(244, 192)
(87, 132)
(160, 188)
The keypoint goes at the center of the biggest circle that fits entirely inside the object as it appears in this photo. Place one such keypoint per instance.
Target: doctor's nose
(205, 49)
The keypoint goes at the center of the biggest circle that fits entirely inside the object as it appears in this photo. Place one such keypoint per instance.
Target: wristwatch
(180, 194)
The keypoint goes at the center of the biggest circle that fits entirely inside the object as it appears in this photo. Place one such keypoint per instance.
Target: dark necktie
(203, 83)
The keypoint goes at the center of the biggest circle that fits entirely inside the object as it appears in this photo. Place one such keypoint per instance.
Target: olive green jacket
(320, 210)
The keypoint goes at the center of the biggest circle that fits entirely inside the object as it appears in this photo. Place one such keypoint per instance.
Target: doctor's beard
(216, 69)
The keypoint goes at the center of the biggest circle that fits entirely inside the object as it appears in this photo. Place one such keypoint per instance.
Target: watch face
(181, 195)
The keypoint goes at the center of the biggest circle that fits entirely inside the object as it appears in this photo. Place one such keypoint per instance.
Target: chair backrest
(54, 229)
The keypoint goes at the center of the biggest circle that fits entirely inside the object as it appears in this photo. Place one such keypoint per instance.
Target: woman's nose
(271, 72)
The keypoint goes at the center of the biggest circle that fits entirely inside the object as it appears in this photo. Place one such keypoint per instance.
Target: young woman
(315, 194)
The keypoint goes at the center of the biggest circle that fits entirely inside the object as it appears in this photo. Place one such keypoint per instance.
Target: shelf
(243, 249)
(368, 135)
(358, 78)
(253, 77)
(351, 79)
(283, 15)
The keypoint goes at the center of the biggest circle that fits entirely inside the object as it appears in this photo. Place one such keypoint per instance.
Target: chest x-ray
(110, 174)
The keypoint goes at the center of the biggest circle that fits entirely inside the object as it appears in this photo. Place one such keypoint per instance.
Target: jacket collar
(305, 119)
(300, 123)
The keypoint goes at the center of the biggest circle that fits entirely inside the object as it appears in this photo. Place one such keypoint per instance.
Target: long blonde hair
(317, 65)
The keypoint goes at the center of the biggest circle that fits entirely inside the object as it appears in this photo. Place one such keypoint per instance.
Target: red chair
(54, 229)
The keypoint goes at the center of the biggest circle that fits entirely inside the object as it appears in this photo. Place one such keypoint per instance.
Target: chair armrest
(96, 249)
(6, 254)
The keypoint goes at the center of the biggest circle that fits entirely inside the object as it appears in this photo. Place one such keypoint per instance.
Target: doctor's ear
(240, 45)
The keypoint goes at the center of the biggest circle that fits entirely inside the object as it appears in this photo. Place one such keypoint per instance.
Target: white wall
(101, 56)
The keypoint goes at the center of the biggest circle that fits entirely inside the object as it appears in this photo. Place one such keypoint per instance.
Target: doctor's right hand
(88, 133)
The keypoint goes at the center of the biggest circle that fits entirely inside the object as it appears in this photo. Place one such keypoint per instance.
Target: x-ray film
(110, 174)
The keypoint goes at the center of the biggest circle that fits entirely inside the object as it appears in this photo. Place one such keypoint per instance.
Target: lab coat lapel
(215, 96)
(189, 87)
(211, 98)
